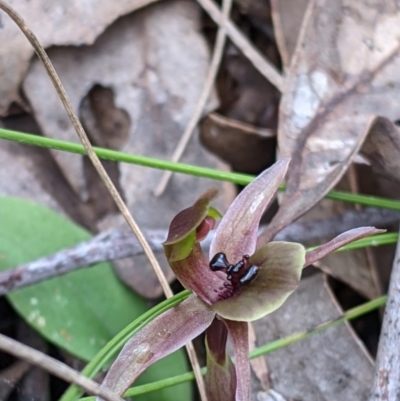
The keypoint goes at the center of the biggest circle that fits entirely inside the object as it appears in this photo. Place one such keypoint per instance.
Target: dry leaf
(140, 59)
(288, 17)
(332, 365)
(18, 176)
(258, 365)
(343, 72)
(54, 22)
(246, 148)
(382, 148)
(255, 99)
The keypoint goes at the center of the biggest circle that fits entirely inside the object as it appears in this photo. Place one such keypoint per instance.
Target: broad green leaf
(79, 312)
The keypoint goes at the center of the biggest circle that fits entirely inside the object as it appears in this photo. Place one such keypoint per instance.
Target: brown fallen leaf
(30, 173)
(55, 22)
(151, 81)
(246, 148)
(17, 176)
(258, 365)
(382, 148)
(332, 365)
(343, 72)
(107, 126)
(255, 99)
(288, 17)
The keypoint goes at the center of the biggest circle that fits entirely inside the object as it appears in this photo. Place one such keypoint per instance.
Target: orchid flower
(239, 282)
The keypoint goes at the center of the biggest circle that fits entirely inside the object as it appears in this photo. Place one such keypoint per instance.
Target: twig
(41, 53)
(110, 245)
(205, 94)
(244, 128)
(386, 385)
(55, 367)
(253, 55)
(120, 243)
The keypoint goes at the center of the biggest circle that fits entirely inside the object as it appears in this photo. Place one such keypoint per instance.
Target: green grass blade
(114, 155)
(241, 179)
(375, 240)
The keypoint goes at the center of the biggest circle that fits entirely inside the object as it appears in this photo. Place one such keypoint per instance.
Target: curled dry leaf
(234, 141)
(343, 72)
(55, 23)
(382, 148)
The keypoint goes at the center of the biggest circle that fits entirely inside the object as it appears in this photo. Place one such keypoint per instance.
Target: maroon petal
(236, 234)
(339, 241)
(162, 336)
(194, 273)
(239, 334)
(220, 379)
(183, 231)
(189, 219)
(280, 265)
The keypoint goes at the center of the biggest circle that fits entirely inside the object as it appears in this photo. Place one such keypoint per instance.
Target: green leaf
(79, 312)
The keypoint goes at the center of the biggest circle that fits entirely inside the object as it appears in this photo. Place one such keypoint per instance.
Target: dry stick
(387, 370)
(121, 243)
(205, 94)
(102, 173)
(110, 245)
(246, 129)
(253, 55)
(55, 367)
